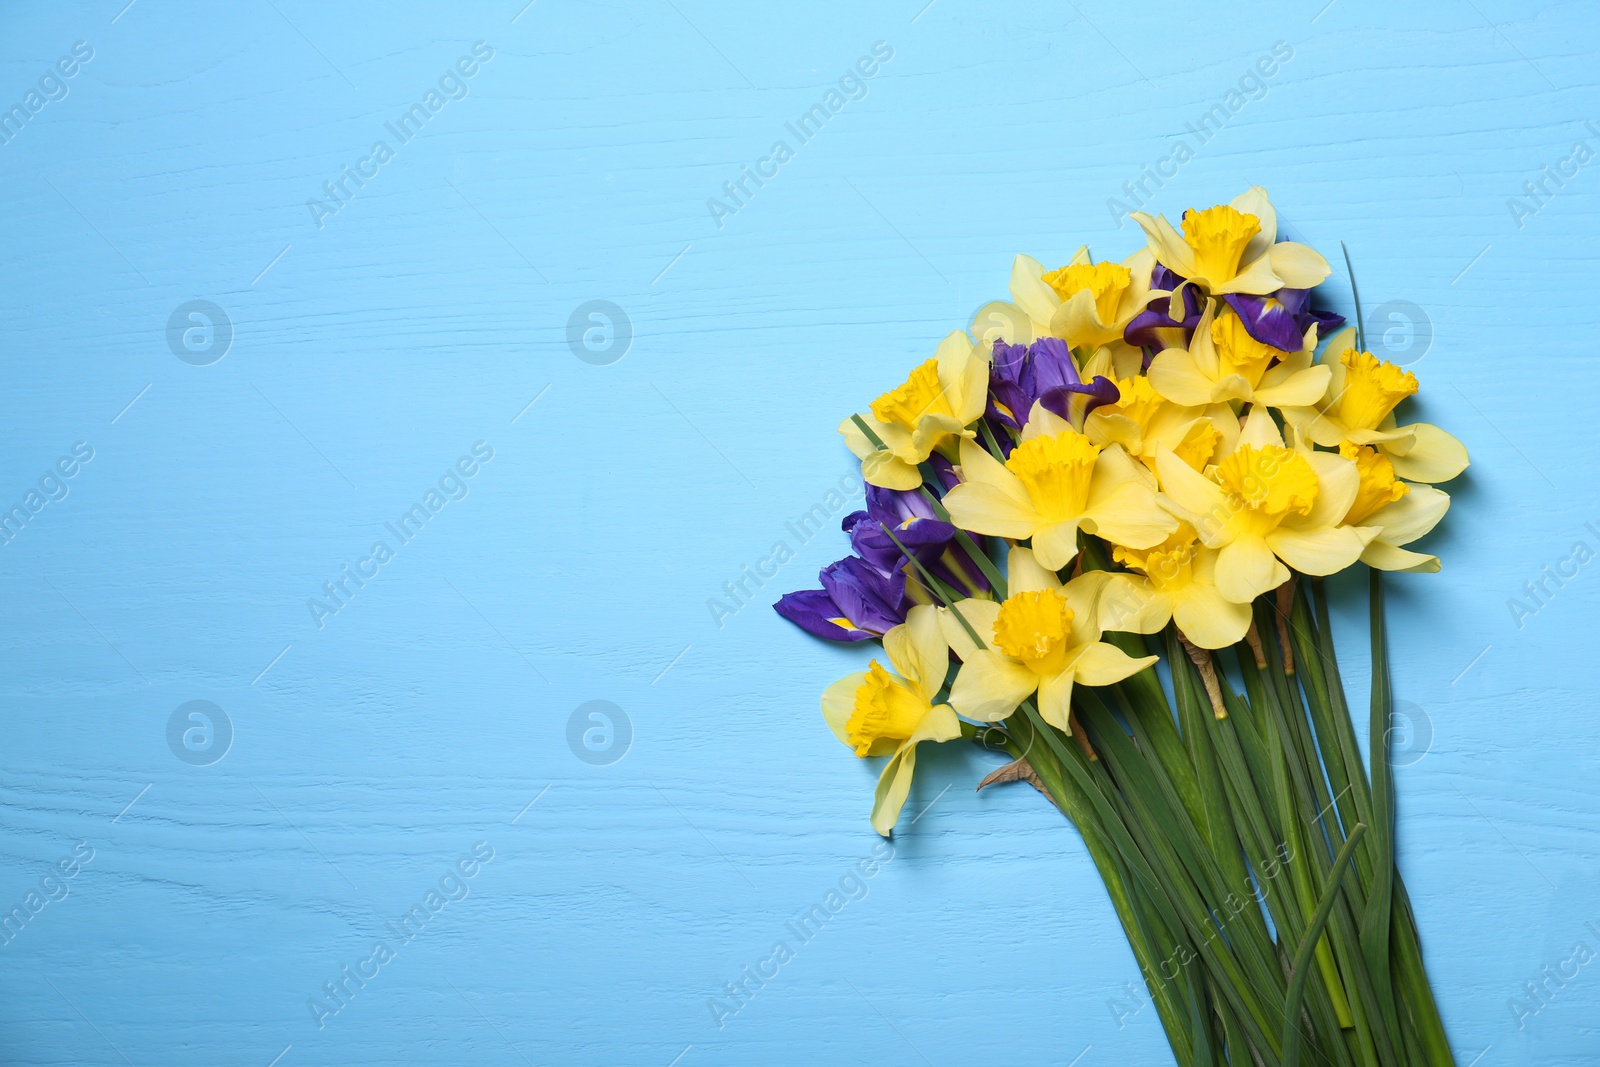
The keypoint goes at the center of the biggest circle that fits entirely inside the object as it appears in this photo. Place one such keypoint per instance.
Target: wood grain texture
(372, 753)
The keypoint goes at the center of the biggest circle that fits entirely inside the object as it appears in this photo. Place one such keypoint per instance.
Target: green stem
(1375, 921)
(968, 545)
(1339, 955)
(1405, 943)
(1302, 958)
(1075, 805)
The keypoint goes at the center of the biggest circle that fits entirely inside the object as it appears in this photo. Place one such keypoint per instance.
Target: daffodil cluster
(1140, 445)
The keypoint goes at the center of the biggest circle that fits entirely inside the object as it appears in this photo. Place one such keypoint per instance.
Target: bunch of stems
(1246, 848)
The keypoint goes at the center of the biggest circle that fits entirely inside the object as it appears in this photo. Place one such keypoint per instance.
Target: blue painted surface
(373, 753)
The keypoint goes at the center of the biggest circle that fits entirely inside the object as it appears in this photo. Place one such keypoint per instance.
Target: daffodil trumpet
(1086, 523)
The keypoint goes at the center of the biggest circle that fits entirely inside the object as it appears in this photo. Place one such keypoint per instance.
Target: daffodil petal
(931, 429)
(954, 356)
(1083, 595)
(1383, 556)
(839, 703)
(990, 500)
(1114, 469)
(1259, 431)
(988, 687)
(1299, 266)
(894, 785)
(1001, 320)
(1412, 516)
(888, 471)
(1399, 440)
(1338, 483)
(1338, 343)
(1030, 291)
(1255, 278)
(1246, 568)
(1130, 604)
(1253, 201)
(1078, 321)
(1024, 574)
(1104, 664)
(989, 509)
(855, 440)
(1435, 456)
(1209, 619)
(1324, 430)
(1192, 497)
(1298, 389)
(1055, 701)
(964, 374)
(1109, 428)
(1056, 544)
(979, 615)
(1042, 422)
(940, 724)
(1169, 247)
(1175, 375)
(917, 649)
(1319, 551)
(1130, 516)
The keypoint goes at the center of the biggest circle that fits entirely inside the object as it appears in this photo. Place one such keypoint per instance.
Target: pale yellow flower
(1358, 406)
(1043, 638)
(1402, 512)
(1056, 482)
(1224, 363)
(1264, 505)
(1233, 248)
(1146, 425)
(1175, 580)
(1085, 304)
(940, 399)
(877, 713)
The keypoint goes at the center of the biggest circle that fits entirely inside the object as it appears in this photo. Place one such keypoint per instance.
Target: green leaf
(1301, 969)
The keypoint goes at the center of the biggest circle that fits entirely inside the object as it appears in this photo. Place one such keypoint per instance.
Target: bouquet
(1095, 534)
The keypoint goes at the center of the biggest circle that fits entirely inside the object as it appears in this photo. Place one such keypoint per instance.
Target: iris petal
(1280, 319)
(1154, 327)
(813, 610)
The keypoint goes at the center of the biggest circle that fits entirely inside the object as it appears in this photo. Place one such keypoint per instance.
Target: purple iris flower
(915, 524)
(857, 602)
(1073, 402)
(1045, 371)
(1280, 319)
(909, 515)
(1009, 401)
(945, 471)
(864, 595)
(1154, 328)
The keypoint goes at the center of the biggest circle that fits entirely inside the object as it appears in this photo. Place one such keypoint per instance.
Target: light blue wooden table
(401, 347)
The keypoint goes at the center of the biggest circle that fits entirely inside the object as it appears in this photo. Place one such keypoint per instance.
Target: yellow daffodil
(1358, 406)
(1233, 248)
(935, 406)
(1056, 482)
(1083, 303)
(1402, 512)
(1044, 637)
(1264, 503)
(1146, 425)
(1175, 580)
(878, 713)
(1223, 363)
